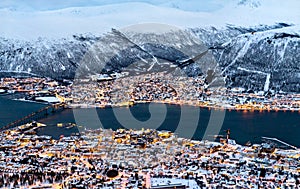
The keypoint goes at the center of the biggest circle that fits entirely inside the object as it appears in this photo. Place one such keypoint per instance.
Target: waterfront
(245, 126)
(117, 91)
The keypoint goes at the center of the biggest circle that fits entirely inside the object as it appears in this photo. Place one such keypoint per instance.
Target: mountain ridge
(247, 57)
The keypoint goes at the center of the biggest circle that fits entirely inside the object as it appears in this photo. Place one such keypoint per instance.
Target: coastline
(186, 103)
(101, 95)
(258, 123)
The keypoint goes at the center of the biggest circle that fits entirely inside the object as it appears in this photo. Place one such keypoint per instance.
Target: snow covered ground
(55, 18)
(50, 99)
(259, 39)
(172, 181)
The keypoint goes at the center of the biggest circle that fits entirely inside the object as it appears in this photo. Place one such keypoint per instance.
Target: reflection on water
(245, 126)
(11, 110)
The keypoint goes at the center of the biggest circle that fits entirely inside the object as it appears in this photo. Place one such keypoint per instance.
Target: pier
(279, 141)
(41, 113)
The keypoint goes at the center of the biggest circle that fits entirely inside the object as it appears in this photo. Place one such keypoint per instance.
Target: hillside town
(144, 158)
(149, 94)
(102, 91)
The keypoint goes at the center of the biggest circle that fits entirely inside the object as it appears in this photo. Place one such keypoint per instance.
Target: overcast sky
(57, 18)
(188, 5)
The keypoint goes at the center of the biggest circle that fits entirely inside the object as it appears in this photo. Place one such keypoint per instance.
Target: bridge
(41, 113)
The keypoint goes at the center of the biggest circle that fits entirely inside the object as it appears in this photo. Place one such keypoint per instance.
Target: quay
(279, 141)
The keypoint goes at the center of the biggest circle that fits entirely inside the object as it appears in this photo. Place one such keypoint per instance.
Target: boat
(2, 91)
(59, 124)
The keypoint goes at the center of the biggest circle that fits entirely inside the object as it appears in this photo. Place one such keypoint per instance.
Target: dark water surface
(11, 110)
(244, 126)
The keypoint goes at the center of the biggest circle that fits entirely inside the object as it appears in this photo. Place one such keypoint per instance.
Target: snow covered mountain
(32, 19)
(255, 42)
(261, 58)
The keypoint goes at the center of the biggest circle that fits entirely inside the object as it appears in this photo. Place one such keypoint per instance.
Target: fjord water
(11, 110)
(244, 126)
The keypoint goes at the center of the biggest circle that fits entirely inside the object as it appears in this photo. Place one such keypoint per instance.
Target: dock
(279, 141)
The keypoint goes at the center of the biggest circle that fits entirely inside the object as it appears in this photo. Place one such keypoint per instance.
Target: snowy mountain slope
(43, 57)
(246, 58)
(187, 5)
(255, 42)
(77, 17)
(250, 60)
(82, 20)
(42, 5)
